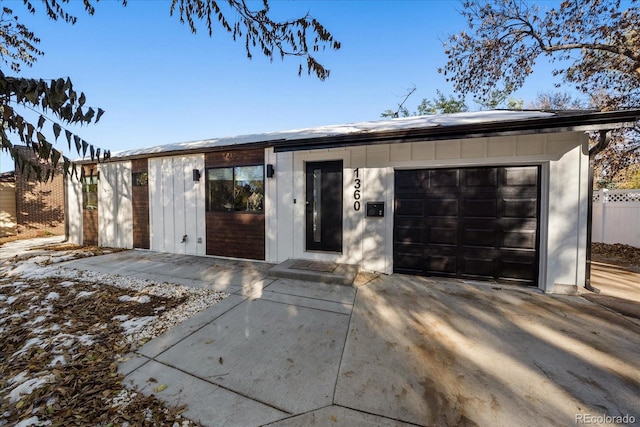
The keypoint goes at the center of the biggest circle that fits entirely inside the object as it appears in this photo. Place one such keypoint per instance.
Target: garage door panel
(476, 223)
(519, 240)
(474, 267)
(479, 237)
(413, 235)
(442, 235)
(442, 179)
(480, 177)
(480, 208)
(410, 222)
(520, 208)
(442, 265)
(442, 207)
(411, 180)
(409, 258)
(521, 176)
(410, 207)
(517, 267)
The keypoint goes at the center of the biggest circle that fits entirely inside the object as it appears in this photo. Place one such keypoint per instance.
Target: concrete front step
(316, 271)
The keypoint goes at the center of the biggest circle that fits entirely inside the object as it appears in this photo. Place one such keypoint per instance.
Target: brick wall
(39, 205)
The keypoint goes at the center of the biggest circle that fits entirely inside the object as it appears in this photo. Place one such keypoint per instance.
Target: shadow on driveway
(400, 350)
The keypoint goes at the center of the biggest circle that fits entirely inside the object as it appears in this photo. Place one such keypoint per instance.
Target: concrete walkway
(398, 351)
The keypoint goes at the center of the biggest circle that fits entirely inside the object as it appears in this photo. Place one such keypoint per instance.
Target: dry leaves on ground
(623, 254)
(62, 335)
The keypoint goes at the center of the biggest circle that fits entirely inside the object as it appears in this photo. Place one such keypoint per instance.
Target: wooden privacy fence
(616, 217)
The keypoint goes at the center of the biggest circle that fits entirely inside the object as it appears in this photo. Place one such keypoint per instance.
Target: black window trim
(134, 181)
(85, 205)
(232, 167)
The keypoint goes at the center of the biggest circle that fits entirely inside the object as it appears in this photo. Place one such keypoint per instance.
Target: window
(90, 192)
(140, 179)
(237, 189)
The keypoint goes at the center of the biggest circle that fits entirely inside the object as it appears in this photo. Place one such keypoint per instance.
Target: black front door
(324, 206)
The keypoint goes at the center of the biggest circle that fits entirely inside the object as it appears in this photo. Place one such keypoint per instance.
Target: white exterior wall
(177, 205)
(115, 211)
(74, 209)
(567, 218)
(368, 241)
(8, 217)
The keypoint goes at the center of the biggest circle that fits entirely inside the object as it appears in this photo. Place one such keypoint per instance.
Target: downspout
(603, 142)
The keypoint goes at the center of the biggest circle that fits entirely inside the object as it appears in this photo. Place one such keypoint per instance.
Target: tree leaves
(441, 104)
(596, 38)
(56, 96)
(595, 45)
(56, 130)
(301, 37)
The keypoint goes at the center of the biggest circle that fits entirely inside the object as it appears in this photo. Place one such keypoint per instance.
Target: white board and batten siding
(74, 209)
(8, 221)
(115, 217)
(368, 241)
(177, 205)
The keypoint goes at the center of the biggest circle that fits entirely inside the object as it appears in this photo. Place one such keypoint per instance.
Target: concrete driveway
(397, 351)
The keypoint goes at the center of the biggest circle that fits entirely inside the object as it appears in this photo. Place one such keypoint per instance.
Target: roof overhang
(560, 122)
(422, 128)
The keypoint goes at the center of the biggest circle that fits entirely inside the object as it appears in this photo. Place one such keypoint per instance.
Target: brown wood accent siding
(234, 158)
(140, 205)
(139, 165)
(235, 234)
(89, 227)
(90, 216)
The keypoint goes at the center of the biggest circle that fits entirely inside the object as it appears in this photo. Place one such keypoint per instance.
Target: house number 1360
(356, 189)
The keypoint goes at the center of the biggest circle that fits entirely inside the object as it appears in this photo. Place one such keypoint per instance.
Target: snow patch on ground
(59, 359)
(141, 299)
(52, 296)
(33, 421)
(31, 342)
(39, 287)
(132, 326)
(27, 387)
(84, 294)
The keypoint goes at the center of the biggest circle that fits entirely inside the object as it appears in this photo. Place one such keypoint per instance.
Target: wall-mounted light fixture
(270, 171)
(196, 175)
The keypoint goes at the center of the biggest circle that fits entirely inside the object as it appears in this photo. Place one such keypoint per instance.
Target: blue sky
(158, 83)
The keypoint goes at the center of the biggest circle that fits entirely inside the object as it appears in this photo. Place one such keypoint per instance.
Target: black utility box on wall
(375, 209)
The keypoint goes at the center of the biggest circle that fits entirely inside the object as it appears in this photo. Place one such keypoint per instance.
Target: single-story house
(496, 195)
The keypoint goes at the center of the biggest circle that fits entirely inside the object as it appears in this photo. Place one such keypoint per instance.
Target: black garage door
(479, 223)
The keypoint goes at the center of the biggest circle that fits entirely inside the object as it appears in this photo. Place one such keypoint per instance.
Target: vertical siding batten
(175, 210)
